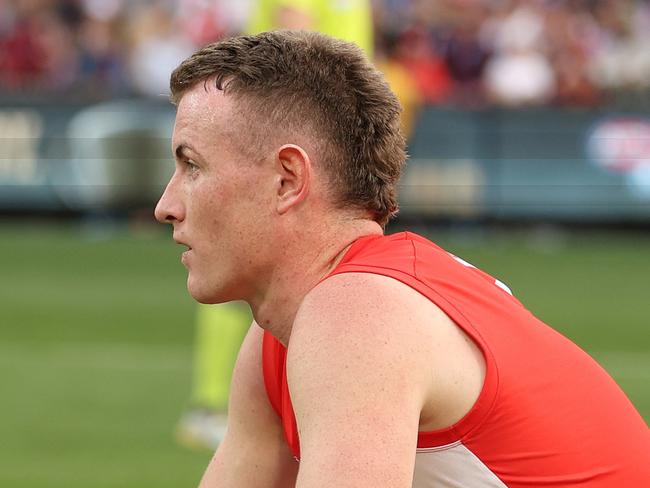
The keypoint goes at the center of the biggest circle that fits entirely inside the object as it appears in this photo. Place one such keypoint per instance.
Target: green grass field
(96, 336)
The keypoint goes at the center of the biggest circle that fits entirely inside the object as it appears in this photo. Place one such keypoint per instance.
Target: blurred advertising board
(537, 164)
(83, 158)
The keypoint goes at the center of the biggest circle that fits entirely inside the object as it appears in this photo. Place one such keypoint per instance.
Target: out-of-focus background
(529, 136)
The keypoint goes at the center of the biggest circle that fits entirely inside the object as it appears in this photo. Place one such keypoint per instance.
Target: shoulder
(361, 322)
(370, 334)
(350, 369)
(359, 304)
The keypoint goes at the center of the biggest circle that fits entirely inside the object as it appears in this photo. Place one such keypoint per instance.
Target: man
(378, 361)
(221, 328)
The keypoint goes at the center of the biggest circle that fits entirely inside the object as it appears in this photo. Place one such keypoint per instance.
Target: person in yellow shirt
(350, 20)
(220, 330)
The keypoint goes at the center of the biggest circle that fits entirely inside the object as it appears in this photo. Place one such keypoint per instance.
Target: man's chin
(205, 296)
(202, 297)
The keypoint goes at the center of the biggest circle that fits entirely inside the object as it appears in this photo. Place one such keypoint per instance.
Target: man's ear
(294, 169)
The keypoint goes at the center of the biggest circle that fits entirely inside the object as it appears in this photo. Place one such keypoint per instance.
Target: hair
(298, 82)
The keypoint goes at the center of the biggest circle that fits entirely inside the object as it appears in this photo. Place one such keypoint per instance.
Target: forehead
(204, 114)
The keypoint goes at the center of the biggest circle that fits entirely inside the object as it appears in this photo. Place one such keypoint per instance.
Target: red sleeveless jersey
(548, 414)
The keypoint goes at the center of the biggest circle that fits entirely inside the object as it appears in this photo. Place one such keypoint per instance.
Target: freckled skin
(220, 208)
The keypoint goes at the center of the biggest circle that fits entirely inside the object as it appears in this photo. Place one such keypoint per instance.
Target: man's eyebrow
(180, 151)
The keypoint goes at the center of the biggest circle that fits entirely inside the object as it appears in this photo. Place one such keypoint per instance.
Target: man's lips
(185, 255)
(182, 243)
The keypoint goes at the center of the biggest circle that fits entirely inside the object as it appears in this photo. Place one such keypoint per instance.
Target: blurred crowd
(467, 53)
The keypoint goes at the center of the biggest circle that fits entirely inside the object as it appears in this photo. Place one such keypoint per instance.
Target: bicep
(356, 398)
(253, 453)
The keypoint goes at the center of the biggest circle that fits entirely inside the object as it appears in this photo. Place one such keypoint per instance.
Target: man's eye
(191, 166)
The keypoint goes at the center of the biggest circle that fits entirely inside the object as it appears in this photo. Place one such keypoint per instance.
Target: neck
(301, 264)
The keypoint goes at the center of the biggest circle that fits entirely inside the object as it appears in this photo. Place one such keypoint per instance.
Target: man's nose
(169, 208)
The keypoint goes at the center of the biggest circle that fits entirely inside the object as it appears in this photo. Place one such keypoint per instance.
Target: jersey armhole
(487, 397)
(272, 370)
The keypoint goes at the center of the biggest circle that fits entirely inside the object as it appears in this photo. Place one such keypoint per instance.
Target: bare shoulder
(385, 328)
(359, 307)
(378, 310)
(348, 370)
(374, 316)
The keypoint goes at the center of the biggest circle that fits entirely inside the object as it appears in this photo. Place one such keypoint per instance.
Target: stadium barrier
(546, 163)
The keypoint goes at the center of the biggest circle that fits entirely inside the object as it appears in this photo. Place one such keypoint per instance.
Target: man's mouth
(185, 255)
(178, 241)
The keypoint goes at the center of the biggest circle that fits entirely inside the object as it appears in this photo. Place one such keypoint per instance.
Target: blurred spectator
(157, 47)
(205, 21)
(102, 64)
(462, 52)
(101, 49)
(56, 42)
(519, 71)
(415, 51)
(621, 57)
(465, 54)
(22, 57)
(570, 34)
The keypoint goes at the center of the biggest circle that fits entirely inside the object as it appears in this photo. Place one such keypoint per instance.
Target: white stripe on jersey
(452, 466)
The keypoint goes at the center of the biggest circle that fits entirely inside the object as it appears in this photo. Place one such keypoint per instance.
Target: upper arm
(357, 381)
(253, 453)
